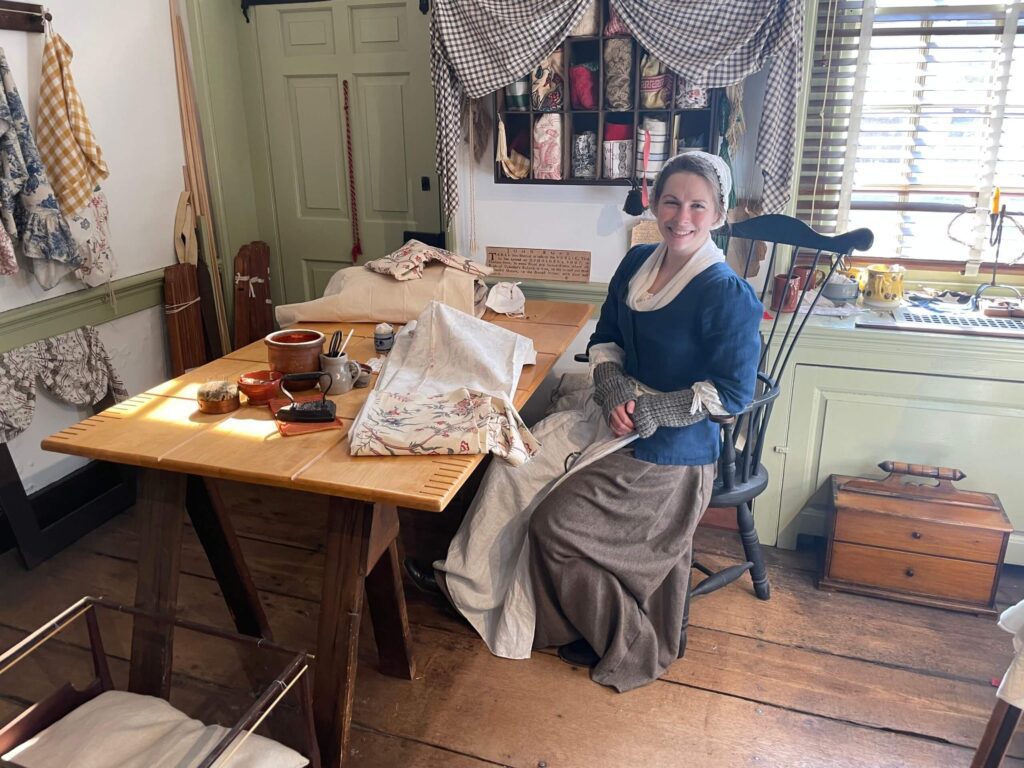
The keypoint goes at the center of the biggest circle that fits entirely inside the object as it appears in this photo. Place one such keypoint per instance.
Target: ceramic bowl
(840, 293)
(295, 350)
(260, 386)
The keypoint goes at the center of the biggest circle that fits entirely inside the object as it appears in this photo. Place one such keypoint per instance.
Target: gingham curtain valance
(478, 46)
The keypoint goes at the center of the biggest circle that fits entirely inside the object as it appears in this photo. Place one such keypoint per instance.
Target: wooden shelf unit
(576, 50)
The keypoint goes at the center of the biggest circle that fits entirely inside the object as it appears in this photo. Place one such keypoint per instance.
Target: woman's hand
(620, 418)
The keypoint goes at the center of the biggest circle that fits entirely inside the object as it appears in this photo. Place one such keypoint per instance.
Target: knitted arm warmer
(671, 409)
(612, 387)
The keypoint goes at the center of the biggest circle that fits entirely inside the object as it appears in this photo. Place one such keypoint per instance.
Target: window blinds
(915, 112)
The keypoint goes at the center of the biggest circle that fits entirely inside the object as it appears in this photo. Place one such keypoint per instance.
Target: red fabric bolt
(617, 132)
(583, 87)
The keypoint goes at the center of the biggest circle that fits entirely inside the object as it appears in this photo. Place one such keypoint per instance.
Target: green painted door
(307, 51)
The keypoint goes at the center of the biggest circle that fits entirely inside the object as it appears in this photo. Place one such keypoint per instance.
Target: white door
(307, 51)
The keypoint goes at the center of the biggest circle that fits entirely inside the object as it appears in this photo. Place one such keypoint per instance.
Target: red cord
(357, 248)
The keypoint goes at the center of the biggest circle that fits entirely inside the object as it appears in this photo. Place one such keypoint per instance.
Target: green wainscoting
(91, 306)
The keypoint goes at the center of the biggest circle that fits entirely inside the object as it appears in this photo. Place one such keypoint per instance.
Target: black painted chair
(741, 476)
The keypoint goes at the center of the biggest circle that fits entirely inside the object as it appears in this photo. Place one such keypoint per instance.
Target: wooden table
(181, 451)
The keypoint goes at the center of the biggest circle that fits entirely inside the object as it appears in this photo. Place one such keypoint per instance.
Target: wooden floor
(807, 679)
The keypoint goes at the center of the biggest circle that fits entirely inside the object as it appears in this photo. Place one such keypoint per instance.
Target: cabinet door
(845, 421)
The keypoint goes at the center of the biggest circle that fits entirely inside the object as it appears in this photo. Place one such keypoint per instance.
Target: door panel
(306, 54)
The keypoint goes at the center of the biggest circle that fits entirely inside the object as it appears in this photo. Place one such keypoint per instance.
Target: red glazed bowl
(295, 350)
(260, 386)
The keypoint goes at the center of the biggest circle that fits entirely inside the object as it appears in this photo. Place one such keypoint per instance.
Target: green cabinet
(854, 397)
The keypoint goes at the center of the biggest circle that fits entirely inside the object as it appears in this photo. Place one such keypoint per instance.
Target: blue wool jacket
(709, 331)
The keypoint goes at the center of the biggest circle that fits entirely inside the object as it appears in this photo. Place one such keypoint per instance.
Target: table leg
(213, 526)
(390, 619)
(160, 507)
(349, 524)
(998, 733)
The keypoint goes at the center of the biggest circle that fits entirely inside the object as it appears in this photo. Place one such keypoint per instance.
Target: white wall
(124, 70)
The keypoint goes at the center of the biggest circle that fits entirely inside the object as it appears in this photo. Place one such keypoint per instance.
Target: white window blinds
(916, 113)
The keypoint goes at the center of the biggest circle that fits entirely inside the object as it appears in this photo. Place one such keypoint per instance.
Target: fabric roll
(547, 83)
(614, 25)
(618, 74)
(654, 83)
(583, 86)
(584, 155)
(618, 159)
(689, 96)
(517, 95)
(513, 164)
(658, 131)
(547, 147)
(590, 23)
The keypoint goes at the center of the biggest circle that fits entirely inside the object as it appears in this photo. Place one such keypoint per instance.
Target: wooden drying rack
(23, 17)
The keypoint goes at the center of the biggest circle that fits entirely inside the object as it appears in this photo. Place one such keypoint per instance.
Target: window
(916, 114)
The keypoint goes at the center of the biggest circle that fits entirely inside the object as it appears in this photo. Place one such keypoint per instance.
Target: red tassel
(357, 251)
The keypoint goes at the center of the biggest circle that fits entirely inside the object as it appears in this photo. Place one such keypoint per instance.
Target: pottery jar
(295, 350)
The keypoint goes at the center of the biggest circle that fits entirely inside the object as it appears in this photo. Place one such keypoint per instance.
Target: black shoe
(579, 654)
(421, 578)
(682, 643)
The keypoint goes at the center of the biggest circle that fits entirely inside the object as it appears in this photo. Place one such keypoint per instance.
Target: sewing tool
(308, 410)
(335, 347)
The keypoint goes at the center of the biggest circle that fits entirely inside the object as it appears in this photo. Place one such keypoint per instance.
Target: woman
(603, 571)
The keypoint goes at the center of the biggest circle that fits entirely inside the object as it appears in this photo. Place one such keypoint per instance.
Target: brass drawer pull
(909, 572)
(916, 535)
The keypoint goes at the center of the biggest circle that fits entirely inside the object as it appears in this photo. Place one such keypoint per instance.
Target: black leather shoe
(682, 643)
(421, 578)
(579, 654)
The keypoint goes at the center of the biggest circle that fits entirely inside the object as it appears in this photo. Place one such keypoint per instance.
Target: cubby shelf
(681, 123)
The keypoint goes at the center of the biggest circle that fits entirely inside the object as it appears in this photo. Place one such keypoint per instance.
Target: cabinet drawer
(911, 535)
(910, 572)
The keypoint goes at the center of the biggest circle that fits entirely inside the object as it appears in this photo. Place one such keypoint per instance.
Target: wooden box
(926, 544)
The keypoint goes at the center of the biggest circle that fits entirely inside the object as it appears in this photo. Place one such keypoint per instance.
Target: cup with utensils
(343, 371)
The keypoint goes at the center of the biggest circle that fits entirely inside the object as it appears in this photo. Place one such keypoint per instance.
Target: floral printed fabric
(8, 262)
(447, 388)
(458, 422)
(91, 230)
(74, 367)
(30, 212)
(407, 262)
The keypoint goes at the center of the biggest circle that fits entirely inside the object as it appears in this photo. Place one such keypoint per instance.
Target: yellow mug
(882, 285)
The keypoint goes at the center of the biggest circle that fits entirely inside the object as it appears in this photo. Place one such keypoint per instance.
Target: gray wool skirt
(610, 553)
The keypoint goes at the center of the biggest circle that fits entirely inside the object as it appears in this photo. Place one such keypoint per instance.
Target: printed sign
(645, 231)
(540, 263)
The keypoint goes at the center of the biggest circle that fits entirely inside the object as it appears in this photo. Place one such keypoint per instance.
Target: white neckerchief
(639, 300)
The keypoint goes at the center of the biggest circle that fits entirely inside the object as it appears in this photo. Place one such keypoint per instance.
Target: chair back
(743, 433)
(782, 234)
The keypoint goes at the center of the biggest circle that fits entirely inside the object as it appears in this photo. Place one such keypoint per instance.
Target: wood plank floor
(807, 679)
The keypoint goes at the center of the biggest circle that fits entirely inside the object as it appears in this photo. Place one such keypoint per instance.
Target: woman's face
(686, 212)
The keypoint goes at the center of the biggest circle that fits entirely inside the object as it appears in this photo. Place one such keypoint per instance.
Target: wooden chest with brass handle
(904, 539)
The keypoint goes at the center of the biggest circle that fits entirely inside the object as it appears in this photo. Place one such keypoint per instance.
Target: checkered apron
(478, 47)
(65, 139)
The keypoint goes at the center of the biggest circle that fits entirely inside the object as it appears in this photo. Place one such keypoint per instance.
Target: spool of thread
(383, 337)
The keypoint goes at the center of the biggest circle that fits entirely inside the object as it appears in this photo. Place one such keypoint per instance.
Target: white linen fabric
(477, 48)
(126, 730)
(444, 353)
(639, 298)
(355, 294)
(487, 567)
(1011, 689)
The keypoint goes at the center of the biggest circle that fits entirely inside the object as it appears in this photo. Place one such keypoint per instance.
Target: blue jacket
(709, 331)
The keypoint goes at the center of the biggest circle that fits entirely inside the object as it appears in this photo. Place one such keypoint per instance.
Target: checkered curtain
(478, 46)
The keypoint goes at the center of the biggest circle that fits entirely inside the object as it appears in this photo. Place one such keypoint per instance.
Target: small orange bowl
(260, 386)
